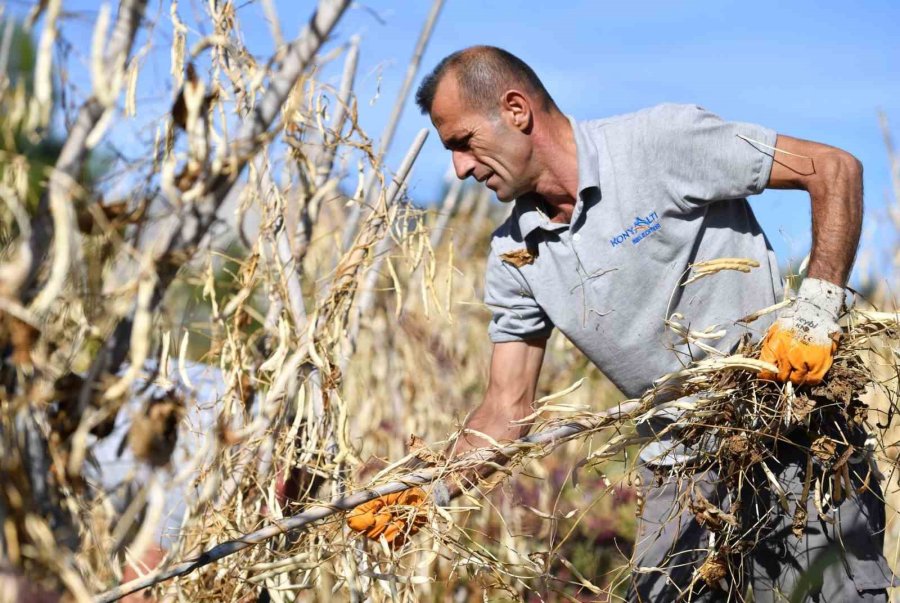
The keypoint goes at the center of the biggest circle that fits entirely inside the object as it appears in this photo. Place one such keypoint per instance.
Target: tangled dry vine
(209, 345)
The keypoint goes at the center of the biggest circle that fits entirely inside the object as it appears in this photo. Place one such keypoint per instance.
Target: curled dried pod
(21, 336)
(154, 434)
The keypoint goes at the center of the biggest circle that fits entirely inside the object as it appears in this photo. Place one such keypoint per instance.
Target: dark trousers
(829, 563)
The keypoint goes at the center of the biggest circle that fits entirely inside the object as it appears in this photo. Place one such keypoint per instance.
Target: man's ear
(517, 108)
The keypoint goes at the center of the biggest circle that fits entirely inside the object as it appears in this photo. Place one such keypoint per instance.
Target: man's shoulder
(507, 236)
(663, 114)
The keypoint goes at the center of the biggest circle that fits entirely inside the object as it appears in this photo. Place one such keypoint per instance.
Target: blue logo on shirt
(640, 230)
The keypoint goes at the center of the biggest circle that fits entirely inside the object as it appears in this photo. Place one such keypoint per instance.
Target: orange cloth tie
(385, 516)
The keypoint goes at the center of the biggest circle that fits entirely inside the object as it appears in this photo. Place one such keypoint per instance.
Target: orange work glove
(390, 516)
(802, 342)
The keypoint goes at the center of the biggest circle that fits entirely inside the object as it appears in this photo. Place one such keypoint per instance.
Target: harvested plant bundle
(733, 422)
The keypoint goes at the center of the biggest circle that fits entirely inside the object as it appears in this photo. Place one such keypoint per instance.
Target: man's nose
(464, 164)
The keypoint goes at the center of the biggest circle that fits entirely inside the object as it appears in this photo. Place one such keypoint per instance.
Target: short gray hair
(483, 74)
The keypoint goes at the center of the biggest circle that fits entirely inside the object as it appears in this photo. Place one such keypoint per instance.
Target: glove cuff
(824, 295)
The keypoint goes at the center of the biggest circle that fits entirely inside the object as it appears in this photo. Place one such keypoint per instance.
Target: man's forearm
(495, 420)
(515, 368)
(833, 179)
(837, 209)
(802, 342)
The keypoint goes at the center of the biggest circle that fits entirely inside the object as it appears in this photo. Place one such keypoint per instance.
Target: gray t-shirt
(659, 190)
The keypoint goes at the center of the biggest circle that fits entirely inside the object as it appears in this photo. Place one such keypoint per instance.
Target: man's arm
(833, 179)
(802, 342)
(515, 368)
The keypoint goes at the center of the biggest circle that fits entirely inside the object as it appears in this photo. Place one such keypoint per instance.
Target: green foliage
(22, 54)
(39, 155)
(189, 300)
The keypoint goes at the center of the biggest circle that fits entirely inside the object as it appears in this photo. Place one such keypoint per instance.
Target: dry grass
(346, 321)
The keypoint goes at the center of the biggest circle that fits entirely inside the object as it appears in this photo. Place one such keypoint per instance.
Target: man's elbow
(852, 167)
(838, 171)
(852, 171)
(847, 167)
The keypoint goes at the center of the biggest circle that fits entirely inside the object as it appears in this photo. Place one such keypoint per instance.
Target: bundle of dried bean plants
(178, 380)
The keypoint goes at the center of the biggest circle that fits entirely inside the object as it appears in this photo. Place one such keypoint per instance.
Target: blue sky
(815, 70)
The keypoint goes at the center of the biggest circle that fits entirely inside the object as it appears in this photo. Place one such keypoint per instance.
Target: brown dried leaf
(737, 444)
(22, 336)
(801, 406)
(175, 259)
(246, 393)
(713, 570)
(799, 523)
(153, 435)
(857, 411)
(225, 434)
(519, 257)
(845, 456)
(185, 179)
(844, 382)
(740, 446)
(63, 417)
(114, 213)
(179, 107)
(419, 447)
(823, 448)
(710, 516)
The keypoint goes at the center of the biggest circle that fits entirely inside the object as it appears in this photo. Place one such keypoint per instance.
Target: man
(608, 218)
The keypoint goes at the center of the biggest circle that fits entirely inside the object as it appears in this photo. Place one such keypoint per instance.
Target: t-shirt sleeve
(704, 158)
(516, 314)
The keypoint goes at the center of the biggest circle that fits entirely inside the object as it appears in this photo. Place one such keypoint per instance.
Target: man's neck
(557, 181)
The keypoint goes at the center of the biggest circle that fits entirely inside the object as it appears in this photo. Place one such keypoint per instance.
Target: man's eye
(457, 144)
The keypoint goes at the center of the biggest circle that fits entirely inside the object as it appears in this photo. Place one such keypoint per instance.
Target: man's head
(485, 103)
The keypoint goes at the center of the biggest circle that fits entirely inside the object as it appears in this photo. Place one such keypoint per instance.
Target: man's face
(485, 146)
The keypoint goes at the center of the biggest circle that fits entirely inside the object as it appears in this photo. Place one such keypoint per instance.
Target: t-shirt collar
(528, 207)
(588, 164)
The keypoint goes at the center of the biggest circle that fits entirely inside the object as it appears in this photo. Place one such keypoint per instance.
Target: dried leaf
(823, 448)
(708, 515)
(22, 336)
(801, 406)
(519, 257)
(798, 525)
(154, 434)
(713, 571)
(419, 448)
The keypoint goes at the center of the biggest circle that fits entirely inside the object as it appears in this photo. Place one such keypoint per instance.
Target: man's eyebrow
(456, 140)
